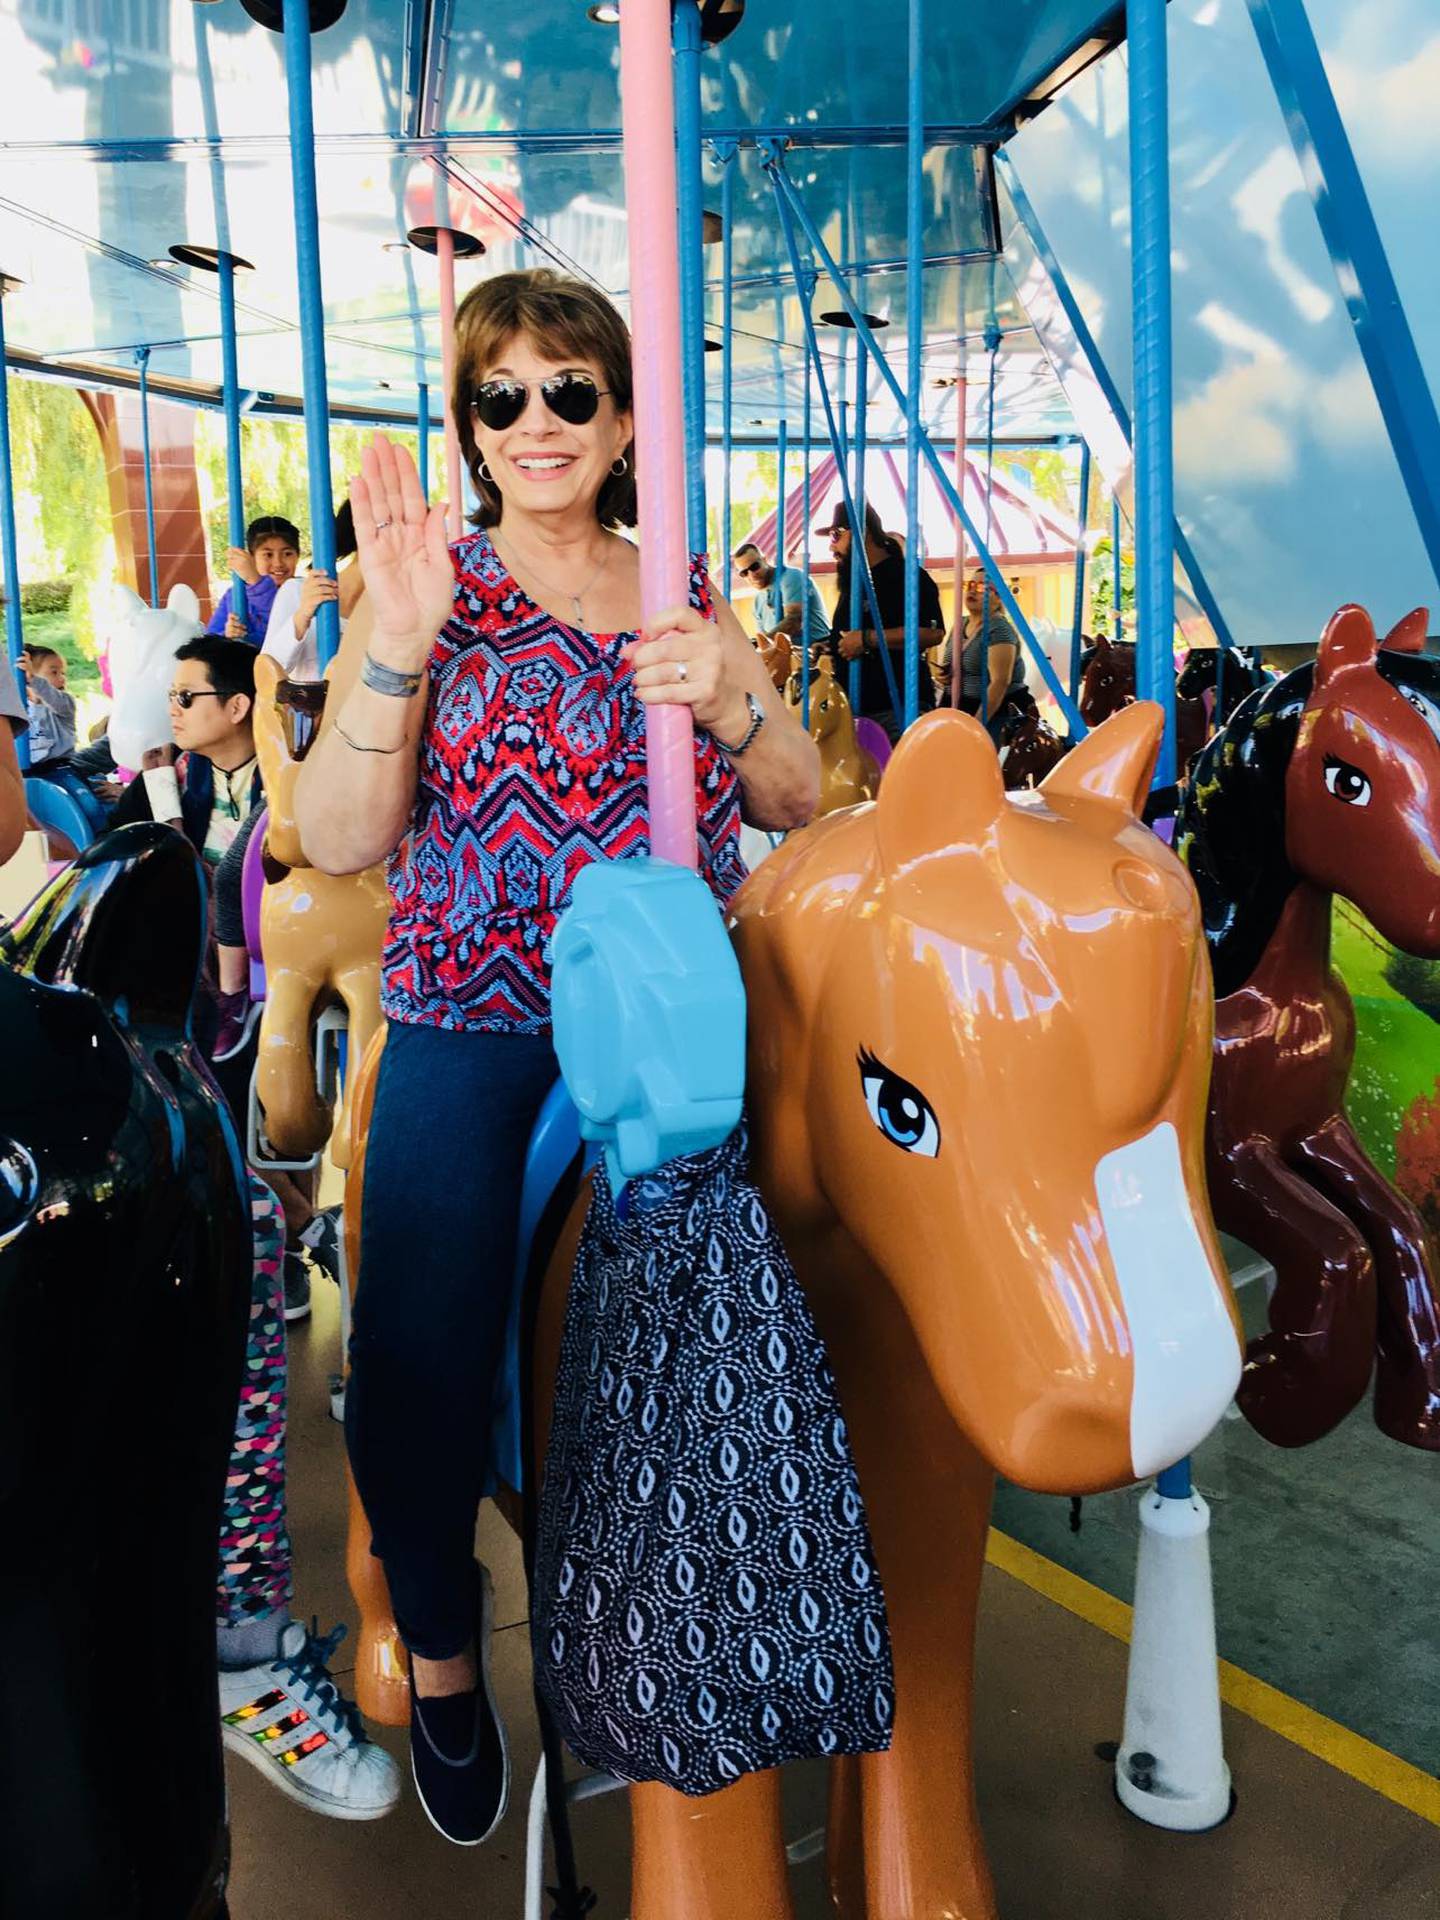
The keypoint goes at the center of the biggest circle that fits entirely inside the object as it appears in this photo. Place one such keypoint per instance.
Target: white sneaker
(288, 1718)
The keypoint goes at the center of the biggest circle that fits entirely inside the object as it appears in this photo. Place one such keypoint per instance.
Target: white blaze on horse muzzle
(1186, 1355)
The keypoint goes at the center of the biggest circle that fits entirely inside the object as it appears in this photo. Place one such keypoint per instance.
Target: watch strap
(757, 720)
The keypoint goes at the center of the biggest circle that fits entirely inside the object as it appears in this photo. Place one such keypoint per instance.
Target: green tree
(63, 523)
(1102, 587)
(273, 466)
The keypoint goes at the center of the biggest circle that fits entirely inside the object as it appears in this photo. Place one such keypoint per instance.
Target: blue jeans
(444, 1165)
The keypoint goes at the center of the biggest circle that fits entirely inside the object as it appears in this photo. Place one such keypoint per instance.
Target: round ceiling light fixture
(188, 253)
(841, 318)
(271, 13)
(607, 14)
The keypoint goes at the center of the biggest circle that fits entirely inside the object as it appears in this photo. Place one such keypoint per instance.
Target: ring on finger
(682, 671)
(380, 525)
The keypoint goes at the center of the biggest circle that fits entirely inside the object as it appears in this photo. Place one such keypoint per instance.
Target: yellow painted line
(1349, 1753)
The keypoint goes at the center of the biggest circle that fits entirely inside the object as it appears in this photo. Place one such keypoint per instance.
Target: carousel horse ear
(1348, 641)
(945, 764)
(1114, 763)
(1408, 635)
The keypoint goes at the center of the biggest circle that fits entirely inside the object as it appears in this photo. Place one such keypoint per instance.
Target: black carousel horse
(126, 1259)
(1326, 782)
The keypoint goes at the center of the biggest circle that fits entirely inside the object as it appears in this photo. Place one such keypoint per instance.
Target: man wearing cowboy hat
(887, 571)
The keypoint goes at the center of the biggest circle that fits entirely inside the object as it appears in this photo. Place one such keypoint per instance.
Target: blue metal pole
(1175, 1482)
(914, 340)
(422, 423)
(782, 458)
(312, 315)
(230, 370)
(14, 620)
(859, 558)
(727, 358)
(690, 193)
(1352, 236)
(805, 562)
(1117, 616)
(1154, 400)
(791, 207)
(787, 227)
(1077, 618)
(142, 361)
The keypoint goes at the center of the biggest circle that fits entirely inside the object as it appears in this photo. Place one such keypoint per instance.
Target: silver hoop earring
(620, 467)
(486, 475)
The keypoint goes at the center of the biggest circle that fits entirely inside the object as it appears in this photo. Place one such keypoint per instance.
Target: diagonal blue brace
(772, 151)
(789, 200)
(1317, 132)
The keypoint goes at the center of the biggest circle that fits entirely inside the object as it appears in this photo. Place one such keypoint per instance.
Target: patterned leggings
(254, 1539)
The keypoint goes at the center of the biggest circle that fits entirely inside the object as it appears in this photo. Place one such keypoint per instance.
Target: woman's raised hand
(403, 555)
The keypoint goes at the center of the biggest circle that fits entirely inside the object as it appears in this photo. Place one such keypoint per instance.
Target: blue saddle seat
(53, 807)
(554, 1143)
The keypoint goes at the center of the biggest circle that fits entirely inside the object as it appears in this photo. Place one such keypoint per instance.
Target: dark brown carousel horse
(1107, 683)
(1028, 745)
(1326, 782)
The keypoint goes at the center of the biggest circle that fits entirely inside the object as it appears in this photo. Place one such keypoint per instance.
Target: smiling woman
(523, 761)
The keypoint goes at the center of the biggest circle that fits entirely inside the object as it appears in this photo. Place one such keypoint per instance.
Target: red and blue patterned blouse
(532, 763)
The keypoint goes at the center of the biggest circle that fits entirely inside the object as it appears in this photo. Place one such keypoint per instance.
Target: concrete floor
(1306, 1842)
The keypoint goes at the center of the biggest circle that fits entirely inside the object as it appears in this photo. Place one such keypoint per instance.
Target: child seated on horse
(290, 635)
(52, 732)
(267, 560)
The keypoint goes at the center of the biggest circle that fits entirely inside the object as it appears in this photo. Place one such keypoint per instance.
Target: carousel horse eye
(1347, 783)
(900, 1111)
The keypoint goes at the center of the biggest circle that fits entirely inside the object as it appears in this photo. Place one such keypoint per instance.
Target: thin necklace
(563, 593)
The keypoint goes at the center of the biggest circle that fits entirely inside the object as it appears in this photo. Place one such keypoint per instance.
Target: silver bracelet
(389, 680)
(360, 747)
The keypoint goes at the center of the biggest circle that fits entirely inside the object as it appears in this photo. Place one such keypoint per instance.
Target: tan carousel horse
(777, 650)
(847, 772)
(321, 936)
(991, 1181)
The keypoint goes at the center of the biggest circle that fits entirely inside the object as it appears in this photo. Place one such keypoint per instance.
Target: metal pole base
(1171, 1771)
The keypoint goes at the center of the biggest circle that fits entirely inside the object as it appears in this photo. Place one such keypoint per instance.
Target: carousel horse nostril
(1141, 886)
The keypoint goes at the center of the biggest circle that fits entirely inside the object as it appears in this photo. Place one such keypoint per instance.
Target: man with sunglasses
(782, 603)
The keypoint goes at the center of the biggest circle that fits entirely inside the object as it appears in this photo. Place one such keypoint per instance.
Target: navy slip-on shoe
(458, 1754)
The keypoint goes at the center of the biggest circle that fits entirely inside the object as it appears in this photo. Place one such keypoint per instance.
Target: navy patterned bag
(705, 1600)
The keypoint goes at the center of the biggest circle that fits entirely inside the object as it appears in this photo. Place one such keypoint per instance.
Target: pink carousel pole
(651, 197)
(448, 244)
(962, 452)
(445, 260)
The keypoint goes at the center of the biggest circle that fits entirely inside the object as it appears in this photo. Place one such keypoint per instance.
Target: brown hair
(563, 318)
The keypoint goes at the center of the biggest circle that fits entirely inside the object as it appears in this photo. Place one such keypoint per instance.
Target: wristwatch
(757, 720)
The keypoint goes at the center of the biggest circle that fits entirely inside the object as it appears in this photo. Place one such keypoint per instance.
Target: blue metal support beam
(690, 194)
(1117, 573)
(422, 430)
(142, 361)
(790, 203)
(1154, 384)
(312, 316)
(805, 551)
(914, 342)
(787, 227)
(1352, 235)
(9, 553)
(230, 386)
(1085, 340)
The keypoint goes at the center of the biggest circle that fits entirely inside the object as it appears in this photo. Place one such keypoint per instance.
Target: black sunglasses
(754, 567)
(185, 697)
(571, 397)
